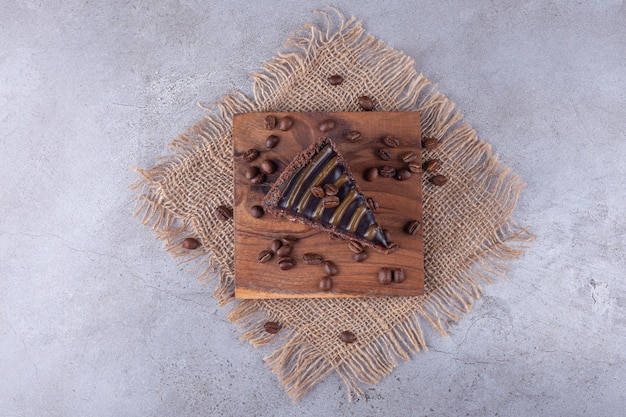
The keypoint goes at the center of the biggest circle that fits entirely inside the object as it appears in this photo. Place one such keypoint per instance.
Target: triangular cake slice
(316, 166)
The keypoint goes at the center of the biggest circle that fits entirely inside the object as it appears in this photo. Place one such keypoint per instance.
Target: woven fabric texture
(469, 236)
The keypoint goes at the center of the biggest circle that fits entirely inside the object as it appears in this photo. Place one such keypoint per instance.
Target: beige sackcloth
(468, 232)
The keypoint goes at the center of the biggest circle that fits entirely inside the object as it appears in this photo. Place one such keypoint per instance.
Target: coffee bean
(412, 227)
(271, 141)
(331, 201)
(371, 174)
(190, 243)
(285, 264)
(284, 250)
(250, 155)
(409, 157)
(271, 327)
(289, 240)
(331, 189)
(355, 246)
(398, 275)
(414, 167)
(403, 174)
(353, 136)
(327, 125)
(330, 268)
(366, 103)
(430, 143)
(347, 337)
(360, 257)
(251, 172)
(276, 244)
(392, 247)
(259, 179)
(318, 192)
(265, 256)
(312, 259)
(223, 213)
(335, 79)
(385, 276)
(432, 165)
(285, 123)
(391, 141)
(268, 166)
(387, 171)
(439, 180)
(371, 203)
(384, 154)
(270, 122)
(326, 283)
(387, 234)
(257, 211)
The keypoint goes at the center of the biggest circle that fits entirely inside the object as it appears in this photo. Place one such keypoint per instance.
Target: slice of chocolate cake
(297, 195)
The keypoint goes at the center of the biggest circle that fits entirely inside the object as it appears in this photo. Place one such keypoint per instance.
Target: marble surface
(96, 319)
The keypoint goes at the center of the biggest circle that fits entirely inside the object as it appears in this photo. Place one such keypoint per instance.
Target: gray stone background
(96, 319)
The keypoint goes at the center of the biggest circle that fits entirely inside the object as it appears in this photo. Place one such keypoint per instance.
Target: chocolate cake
(345, 213)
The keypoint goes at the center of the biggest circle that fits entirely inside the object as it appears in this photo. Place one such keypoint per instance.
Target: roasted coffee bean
(392, 247)
(331, 189)
(355, 246)
(223, 213)
(347, 337)
(284, 250)
(403, 174)
(285, 264)
(268, 166)
(439, 180)
(430, 143)
(271, 327)
(251, 172)
(385, 276)
(366, 103)
(265, 256)
(353, 136)
(331, 201)
(330, 268)
(326, 283)
(335, 79)
(398, 275)
(391, 141)
(289, 240)
(270, 122)
(387, 234)
(387, 171)
(259, 179)
(409, 157)
(371, 174)
(257, 211)
(271, 141)
(372, 204)
(413, 227)
(276, 244)
(250, 155)
(327, 125)
(312, 259)
(384, 154)
(432, 165)
(360, 257)
(285, 123)
(318, 192)
(414, 167)
(190, 243)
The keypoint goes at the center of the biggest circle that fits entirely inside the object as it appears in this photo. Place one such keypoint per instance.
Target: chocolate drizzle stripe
(343, 206)
(370, 233)
(297, 180)
(356, 218)
(325, 170)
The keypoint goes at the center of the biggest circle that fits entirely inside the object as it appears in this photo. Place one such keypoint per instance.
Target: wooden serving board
(400, 202)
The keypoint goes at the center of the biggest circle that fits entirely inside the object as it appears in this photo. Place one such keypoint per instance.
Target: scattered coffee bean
(398, 275)
(430, 143)
(326, 283)
(439, 180)
(353, 136)
(250, 155)
(271, 327)
(331, 189)
(318, 192)
(330, 268)
(391, 141)
(270, 122)
(265, 256)
(257, 212)
(392, 247)
(371, 174)
(432, 165)
(335, 79)
(285, 264)
(412, 227)
(355, 246)
(259, 179)
(403, 174)
(414, 167)
(289, 240)
(285, 123)
(348, 337)
(331, 201)
(384, 154)
(387, 171)
(223, 213)
(327, 125)
(371, 203)
(366, 103)
(276, 244)
(284, 250)
(271, 141)
(385, 276)
(268, 166)
(190, 243)
(312, 259)
(387, 234)
(360, 257)
(409, 157)
(251, 172)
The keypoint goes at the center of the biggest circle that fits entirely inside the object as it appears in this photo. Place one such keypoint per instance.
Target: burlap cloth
(468, 233)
